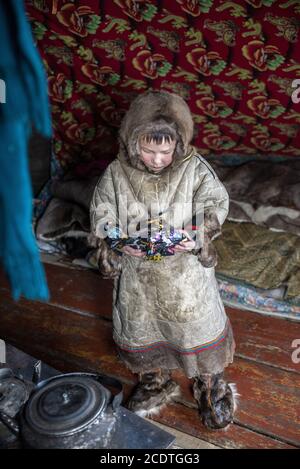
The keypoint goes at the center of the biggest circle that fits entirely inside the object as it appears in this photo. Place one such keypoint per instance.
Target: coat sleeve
(211, 197)
(104, 213)
(103, 208)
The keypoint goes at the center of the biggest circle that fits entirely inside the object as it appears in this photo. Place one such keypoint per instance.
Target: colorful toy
(159, 242)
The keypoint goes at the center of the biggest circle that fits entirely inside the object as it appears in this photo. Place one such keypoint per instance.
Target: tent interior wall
(235, 63)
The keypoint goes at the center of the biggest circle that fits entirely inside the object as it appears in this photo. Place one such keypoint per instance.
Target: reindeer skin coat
(166, 314)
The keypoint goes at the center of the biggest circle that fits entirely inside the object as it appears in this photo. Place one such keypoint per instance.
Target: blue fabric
(26, 104)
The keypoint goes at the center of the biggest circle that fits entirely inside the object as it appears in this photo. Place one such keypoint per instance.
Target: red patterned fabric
(234, 62)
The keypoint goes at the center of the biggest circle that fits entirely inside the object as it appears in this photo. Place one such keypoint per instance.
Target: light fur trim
(235, 395)
(155, 410)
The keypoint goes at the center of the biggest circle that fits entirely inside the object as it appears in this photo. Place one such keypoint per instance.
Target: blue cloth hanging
(26, 104)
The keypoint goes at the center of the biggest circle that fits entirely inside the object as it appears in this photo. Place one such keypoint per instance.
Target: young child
(166, 314)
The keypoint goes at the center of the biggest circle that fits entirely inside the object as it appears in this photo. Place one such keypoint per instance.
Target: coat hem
(210, 361)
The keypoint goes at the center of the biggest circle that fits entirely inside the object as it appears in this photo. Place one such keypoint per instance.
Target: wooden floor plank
(265, 339)
(183, 440)
(85, 340)
(270, 397)
(81, 290)
(235, 437)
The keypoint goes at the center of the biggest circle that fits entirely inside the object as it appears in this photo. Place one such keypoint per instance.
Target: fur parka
(169, 313)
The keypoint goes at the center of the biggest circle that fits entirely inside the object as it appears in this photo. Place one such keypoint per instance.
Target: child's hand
(186, 245)
(133, 252)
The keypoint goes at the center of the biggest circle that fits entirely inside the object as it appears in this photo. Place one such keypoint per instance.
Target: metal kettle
(74, 410)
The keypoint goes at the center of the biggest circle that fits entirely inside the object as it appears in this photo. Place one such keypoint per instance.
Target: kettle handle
(10, 422)
(109, 381)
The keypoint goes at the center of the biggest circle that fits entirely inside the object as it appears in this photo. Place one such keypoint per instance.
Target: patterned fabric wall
(232, 61)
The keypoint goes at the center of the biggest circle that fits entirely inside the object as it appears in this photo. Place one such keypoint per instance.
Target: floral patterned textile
(239, 295)
(234, 63)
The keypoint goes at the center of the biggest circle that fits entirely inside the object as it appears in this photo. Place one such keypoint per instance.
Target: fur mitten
(108, 261)
(207, 254)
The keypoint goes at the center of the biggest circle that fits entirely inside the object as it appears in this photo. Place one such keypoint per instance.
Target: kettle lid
(65, 404)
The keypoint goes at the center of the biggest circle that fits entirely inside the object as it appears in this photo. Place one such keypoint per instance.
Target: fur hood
(155, 110)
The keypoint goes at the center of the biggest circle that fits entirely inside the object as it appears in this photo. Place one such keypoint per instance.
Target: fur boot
(217, 400)
(154, 391)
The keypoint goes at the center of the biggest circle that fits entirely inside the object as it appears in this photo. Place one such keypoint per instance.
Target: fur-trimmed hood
(155, 110)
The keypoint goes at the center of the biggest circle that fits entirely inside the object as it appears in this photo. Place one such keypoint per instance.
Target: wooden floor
(73, 332)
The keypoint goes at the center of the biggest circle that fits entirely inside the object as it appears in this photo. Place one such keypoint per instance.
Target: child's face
(157, 156)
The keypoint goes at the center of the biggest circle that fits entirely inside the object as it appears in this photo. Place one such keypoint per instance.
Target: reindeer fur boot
(154, 391)
(217, 400)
